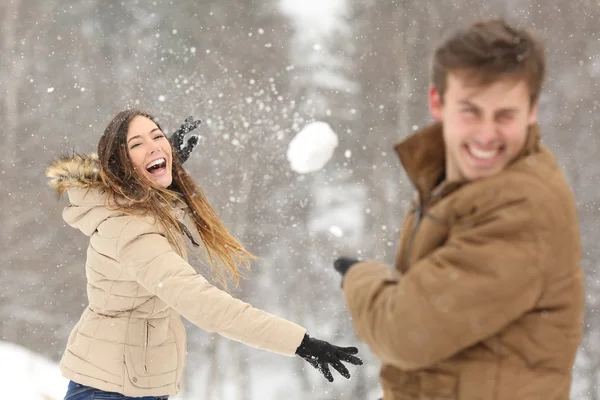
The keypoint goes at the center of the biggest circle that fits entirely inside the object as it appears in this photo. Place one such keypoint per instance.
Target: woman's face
(150, 151)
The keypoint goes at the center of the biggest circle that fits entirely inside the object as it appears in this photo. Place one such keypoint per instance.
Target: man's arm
(485, 276)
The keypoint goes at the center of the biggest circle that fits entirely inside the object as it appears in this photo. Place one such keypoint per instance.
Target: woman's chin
(163, 181)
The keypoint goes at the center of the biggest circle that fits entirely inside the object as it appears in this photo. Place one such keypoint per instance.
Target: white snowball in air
(336, 231)
(312, 147)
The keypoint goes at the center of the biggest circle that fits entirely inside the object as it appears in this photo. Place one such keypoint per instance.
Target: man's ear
(533, 118)
(435, 104)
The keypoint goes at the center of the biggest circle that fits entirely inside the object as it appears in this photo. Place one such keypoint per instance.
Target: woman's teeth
(156, 162)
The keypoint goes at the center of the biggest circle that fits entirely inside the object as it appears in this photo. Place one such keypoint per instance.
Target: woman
(138, 206)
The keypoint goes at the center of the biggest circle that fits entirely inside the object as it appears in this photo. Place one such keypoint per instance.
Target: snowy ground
(25, 375)
(28, 376)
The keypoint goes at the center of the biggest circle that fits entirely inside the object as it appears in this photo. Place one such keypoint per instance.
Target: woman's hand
(184, 149)
(321, 354)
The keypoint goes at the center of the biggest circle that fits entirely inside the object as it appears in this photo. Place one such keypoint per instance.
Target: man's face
(485, 128)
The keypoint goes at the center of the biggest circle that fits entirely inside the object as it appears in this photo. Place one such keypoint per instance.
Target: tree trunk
(214, 385)
(14, 65)
(243, 381)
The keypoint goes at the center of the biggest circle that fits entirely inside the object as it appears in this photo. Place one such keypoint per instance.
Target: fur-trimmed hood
(78, 176)
(75, 171)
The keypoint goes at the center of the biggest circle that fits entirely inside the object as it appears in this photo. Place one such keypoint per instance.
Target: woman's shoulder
(78, 176)
(132, 223)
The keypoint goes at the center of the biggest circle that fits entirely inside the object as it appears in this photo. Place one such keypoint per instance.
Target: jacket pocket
(146, 339)
(152, 365)
(164, 361)
(436, 385)
(418, 385)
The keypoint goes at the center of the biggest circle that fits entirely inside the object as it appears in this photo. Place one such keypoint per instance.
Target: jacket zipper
(409, 246)
(420, 207)
(420, 214)
(187, 232)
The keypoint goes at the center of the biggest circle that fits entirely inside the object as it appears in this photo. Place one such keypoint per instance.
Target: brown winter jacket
(486, 300)
(130, 339)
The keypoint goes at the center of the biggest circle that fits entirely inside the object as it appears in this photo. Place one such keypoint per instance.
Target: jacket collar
(423, 156)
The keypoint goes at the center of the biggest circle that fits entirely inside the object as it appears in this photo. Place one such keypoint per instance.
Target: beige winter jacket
(130, 339)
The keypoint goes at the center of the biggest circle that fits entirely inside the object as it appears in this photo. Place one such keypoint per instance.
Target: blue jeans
(81, 392)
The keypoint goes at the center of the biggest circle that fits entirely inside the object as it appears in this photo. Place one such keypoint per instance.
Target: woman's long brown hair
(133, 193)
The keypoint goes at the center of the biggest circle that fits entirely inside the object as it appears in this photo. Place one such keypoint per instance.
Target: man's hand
(343, 264)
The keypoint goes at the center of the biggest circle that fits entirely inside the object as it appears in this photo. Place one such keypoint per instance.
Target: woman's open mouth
(157, 167)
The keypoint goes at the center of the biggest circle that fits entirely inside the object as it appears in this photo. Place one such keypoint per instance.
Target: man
(486, 300)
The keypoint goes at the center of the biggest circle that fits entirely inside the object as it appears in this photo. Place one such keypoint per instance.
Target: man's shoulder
(536, 181)
(539, 178)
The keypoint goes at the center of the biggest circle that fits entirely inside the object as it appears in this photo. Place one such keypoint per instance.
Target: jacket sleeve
(146, 254)
(484, 277)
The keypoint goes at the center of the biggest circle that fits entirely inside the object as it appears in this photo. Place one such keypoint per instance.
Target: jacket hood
(75, 171)
(79, 176)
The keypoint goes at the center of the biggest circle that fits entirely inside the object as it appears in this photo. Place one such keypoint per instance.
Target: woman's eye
(134, 146)
(159, 136)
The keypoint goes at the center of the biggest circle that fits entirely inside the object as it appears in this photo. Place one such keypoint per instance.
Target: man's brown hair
(490, 50)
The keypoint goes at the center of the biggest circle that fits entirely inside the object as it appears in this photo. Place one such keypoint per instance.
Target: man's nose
(488, 133)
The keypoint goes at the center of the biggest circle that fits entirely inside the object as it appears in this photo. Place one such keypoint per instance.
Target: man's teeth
(483, 153)
(155, 162)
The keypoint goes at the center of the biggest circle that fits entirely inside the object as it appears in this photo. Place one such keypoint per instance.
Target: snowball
(336, 231)
(312, 147)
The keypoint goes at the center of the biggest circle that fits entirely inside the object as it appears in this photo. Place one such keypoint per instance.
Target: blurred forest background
(256, 72)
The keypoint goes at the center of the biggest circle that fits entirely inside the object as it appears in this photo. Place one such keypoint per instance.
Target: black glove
(183, 150)
(320, 354)
(343, 264)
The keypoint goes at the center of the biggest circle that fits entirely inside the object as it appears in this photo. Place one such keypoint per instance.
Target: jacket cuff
(364, 275)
